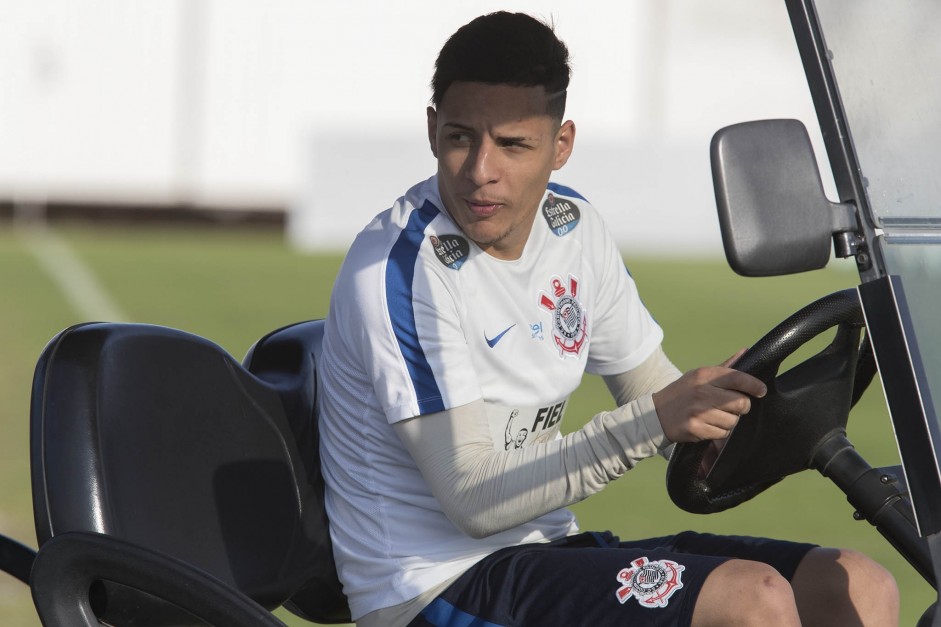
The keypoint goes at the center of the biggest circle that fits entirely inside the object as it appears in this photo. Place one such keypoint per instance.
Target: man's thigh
(574, 584)
(594, 579)
(783, 555)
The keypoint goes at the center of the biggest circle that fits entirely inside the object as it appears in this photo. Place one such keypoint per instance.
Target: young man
(460, 323)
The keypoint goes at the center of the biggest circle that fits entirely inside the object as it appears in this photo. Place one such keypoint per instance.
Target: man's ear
(433, 130)
(564, 143)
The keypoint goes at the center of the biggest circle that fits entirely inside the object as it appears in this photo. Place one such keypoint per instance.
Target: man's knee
(741, 592)
(867, 574)
(845, 585)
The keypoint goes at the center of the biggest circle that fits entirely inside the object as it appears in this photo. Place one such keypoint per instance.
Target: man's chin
(484, 237)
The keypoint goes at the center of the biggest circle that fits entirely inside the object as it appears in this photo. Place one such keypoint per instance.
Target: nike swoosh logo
(498, 337)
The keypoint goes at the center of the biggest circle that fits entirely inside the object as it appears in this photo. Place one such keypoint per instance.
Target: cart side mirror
(774, 216)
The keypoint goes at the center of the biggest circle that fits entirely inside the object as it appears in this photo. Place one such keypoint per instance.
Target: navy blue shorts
(595, 579)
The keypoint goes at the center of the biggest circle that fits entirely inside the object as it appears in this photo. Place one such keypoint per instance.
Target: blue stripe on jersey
(400, 270)
(440, 613)
(565, 191)
(628, 270)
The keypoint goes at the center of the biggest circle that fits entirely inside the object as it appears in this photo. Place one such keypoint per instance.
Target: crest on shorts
(451, 250)
(562, 215)
(569, 318)
(651, 583)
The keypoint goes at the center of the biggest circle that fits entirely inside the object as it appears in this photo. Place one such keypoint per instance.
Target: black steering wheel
(802, 408)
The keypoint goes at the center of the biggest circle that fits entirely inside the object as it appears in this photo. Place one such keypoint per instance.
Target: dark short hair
(505, 49)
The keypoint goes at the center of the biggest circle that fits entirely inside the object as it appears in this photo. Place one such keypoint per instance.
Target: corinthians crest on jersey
(569, 317)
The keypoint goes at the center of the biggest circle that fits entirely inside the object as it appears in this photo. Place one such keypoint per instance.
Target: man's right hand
(705, 403)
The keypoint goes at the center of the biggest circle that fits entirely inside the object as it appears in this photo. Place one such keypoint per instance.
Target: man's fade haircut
(505, 49)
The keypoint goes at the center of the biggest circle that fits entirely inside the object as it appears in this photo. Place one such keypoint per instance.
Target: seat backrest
(285, 359)
(161, 438)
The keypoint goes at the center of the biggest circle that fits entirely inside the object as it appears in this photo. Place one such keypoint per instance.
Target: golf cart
(224, 520)
(869, 74)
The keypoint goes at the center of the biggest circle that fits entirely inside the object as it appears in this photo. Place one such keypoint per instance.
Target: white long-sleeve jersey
(422, 321)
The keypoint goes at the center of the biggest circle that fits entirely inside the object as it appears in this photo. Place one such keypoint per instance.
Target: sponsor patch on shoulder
(651, 583)
(562, 215)
(451, 250)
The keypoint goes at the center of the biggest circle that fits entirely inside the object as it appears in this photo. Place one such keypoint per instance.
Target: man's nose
(482, 167)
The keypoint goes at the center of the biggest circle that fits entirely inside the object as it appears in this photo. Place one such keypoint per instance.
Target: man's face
(496, 146)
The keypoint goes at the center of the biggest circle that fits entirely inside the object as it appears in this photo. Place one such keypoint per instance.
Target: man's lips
(482, 208)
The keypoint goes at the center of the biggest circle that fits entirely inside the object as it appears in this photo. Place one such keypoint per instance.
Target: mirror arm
(848, 240)
(843, 218)
(847, 244)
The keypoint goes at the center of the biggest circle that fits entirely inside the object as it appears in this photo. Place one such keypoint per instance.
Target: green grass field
(234, 286)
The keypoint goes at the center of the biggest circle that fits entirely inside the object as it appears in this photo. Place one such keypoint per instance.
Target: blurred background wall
(309, 114)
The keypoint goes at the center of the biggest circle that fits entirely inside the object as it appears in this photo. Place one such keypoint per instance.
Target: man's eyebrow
(513, 139)
(502, 138)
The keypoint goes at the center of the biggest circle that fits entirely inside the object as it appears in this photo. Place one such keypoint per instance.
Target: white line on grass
(73, 276)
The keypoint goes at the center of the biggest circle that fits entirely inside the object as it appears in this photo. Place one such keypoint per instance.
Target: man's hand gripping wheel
(802, 408)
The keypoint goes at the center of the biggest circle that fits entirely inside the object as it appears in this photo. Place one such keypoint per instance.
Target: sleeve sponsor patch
(562, 215)
(451, 250)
